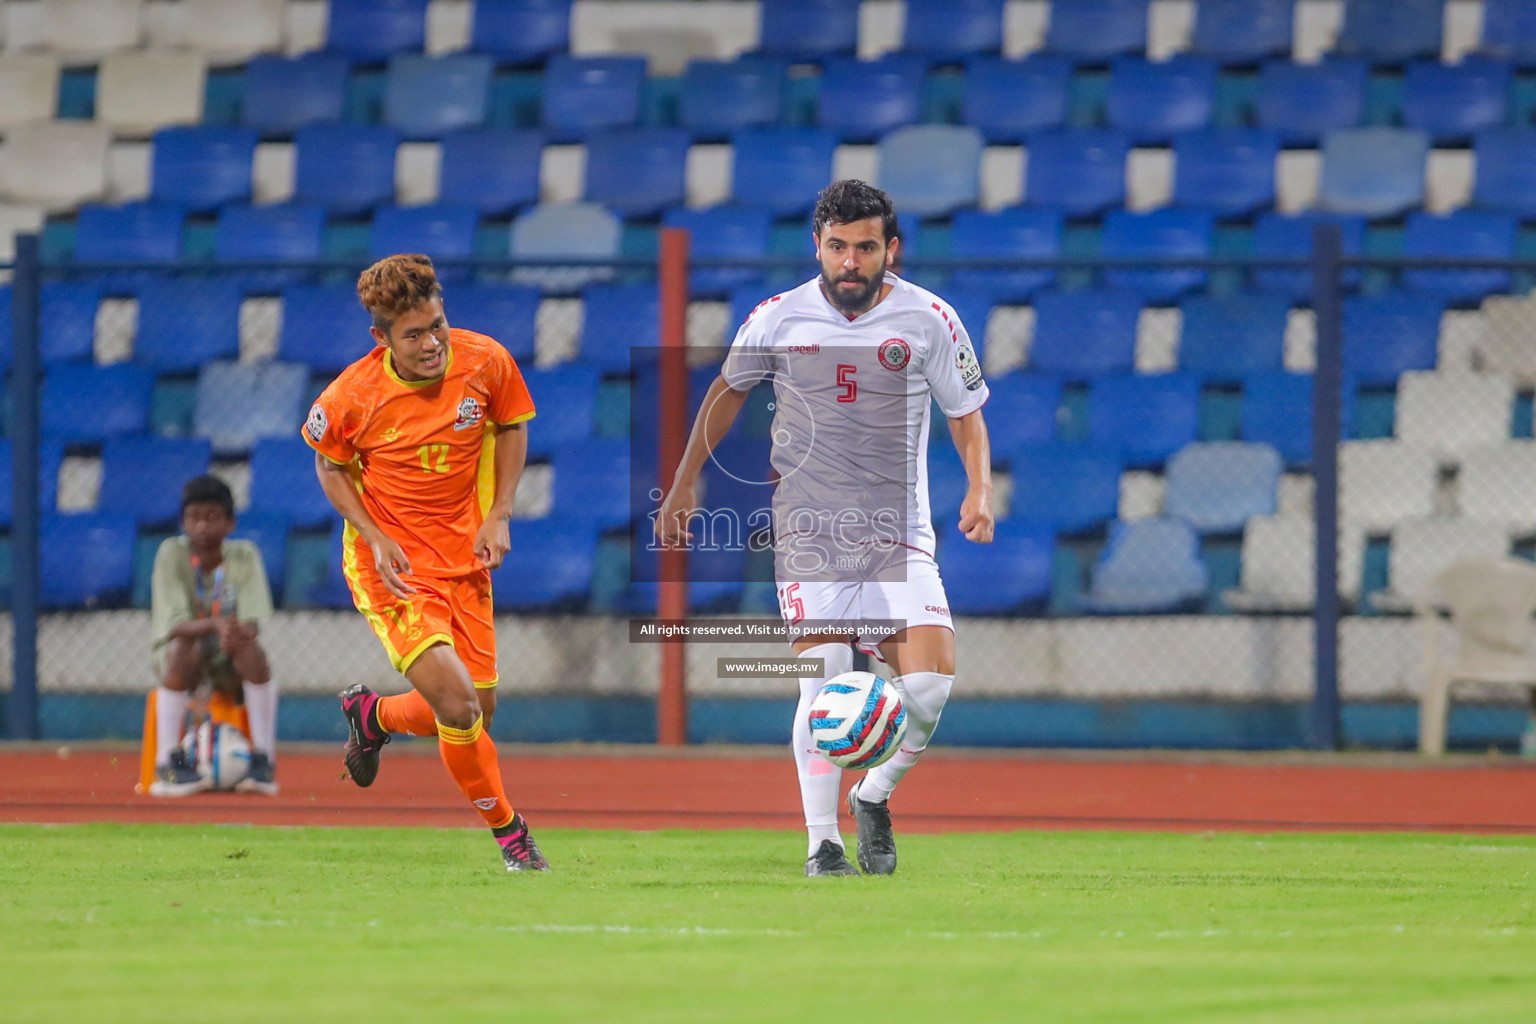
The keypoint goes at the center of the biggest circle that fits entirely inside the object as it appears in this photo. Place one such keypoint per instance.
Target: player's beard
(853, 301)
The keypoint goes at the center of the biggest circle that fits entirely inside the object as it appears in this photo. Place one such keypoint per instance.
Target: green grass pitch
(157, 923)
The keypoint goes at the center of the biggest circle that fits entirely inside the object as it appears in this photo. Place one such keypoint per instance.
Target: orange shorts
(454, 611)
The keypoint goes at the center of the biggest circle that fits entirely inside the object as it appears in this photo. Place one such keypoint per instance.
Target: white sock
(170, 713)
(820, 779)
(261, 710)
(923, 694)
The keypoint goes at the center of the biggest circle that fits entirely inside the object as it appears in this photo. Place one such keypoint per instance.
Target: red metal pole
(672, 588)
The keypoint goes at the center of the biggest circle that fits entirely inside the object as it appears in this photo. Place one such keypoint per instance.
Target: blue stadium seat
(1154, 101)
(1015, 233)
(239, 403)
(1452, 101)
(617, 318)
(715, 578)
(1158, 234)
(1082, 334)
(947, 484)
(283, 482)
(723, 232)
(521, 31)
(565, 396)
(1509, 31)
(82, 402)
(1096, 30)
(280, 231)
(374, 30)
(1279, 235)
(1022, 411)
(67, 325)
(130, 233)
(270, 535)
(202, 167)
(1147, 417)
(1277, 411)
(50, 457)
(949, 30)
(506, 312)
(552, 231)
(142, 477)
(280, 95)
(1226, 338)
(1392, 31)
(1300, 102)
(185, 322)
(6, 352)
(931, 170)
(332, 591)
(737, 477)
(324, 326)
(1149, 565)
(592, 482)
(549, 567)
(85, 560)
(638, 172)
(743, 302)
(1007, 99)
(1377, 172)
(1010, 575)
(1079, 171)
(861, 100)
(782, 169)
(424, 97)
(1506, 170)
(1388, 334)
(721, 97)
(809, 30)
(1243, 31)
(443, 232)
(1464, 234)
(1069, 487)
(495, 170)
(348, 169)
(1217, 486)
(1228, 171)
(588, 94)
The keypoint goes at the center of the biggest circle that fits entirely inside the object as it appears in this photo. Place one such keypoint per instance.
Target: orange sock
(470, 757)
(408, 712)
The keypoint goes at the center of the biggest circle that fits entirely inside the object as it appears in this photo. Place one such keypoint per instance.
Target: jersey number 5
(847, 383)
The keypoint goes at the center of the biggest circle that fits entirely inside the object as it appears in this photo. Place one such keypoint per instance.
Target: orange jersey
(421, 451)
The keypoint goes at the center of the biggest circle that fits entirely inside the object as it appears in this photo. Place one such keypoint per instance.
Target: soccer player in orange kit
(420, 445)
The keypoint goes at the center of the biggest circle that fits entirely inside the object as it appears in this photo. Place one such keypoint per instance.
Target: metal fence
(1159, 483)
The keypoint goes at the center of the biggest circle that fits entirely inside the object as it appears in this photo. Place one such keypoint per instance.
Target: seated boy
(209, 593)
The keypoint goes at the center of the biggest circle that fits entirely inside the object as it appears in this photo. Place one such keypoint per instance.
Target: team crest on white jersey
(470, 414)
(894, 354)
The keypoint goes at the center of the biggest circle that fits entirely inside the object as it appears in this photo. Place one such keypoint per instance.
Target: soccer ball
(221, 753)
(857, 720)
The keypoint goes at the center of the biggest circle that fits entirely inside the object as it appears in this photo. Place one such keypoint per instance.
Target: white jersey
(852, 412)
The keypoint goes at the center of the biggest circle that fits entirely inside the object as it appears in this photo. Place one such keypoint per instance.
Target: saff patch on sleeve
(315, 425)
(970, 369)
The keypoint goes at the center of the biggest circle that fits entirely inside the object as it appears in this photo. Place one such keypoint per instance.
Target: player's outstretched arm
(492, 541)
(388, 560)
(970, 434)
(722, 404)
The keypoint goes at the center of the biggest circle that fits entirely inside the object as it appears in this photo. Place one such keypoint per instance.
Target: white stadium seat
(30, 84)
(1277, 569)
(1453, 411)
(54, 164)
(1498, 484)
(141, 91)
(1383, 483)
(86, 30)
(1422, 547)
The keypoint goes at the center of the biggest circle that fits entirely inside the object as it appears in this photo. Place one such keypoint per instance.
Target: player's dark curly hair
(846, 201)
(208, 489)
(396, 285)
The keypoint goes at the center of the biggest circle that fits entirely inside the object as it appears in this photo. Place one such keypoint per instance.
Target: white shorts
(916, 598)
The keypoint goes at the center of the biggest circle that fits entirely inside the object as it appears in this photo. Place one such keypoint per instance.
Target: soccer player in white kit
(856, 356)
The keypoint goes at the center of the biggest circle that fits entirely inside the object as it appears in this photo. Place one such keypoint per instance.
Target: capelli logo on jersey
(470, 414)
(894, 354)
(937, 609)
(805, 350)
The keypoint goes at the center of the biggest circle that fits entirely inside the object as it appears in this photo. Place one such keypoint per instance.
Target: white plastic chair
(148, 89)
(85, 30)
(1491, 602)
(1383, 483)
(30, 84)
(54, 164)
(1453, 411)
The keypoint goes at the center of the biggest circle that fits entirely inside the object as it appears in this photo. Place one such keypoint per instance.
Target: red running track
(646, 788)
